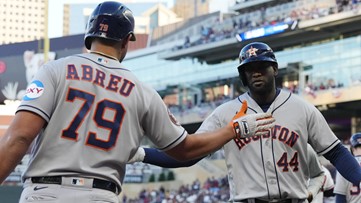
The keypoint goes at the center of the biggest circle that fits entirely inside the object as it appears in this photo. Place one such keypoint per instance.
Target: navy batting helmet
(110, 20)
(255, 52)
(355, 139)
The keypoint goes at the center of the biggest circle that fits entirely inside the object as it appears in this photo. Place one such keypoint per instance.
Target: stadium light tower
(46, 43)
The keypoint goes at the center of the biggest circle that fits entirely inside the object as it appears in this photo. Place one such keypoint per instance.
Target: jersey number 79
(113, 126)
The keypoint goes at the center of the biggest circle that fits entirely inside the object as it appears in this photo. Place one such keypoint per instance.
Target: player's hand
(251, 125)
(310, 197)
(138, 156)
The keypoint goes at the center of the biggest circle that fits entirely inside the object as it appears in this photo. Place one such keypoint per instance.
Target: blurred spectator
(246, 21)
(187, 42)
(213, 190)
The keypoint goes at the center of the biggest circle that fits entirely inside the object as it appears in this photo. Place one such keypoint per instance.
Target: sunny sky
(56, 13)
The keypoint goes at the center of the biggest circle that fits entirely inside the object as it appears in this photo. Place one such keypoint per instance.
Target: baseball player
(87, 115)
(346, 191)
(316, 170)
(272, 167)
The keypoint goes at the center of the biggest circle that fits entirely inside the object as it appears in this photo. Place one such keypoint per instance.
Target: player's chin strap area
(77, 182)
(271, 201)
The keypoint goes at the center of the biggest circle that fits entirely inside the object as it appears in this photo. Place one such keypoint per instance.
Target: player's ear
(125, 41)
(275, 69)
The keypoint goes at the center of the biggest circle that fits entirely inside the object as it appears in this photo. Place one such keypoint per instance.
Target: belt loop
(28, 180)
(251, 200)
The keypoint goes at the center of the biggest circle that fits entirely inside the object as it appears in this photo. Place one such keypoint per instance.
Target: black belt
(97, 183)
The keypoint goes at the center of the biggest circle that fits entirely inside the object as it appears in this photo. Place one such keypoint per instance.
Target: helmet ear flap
(242, 77)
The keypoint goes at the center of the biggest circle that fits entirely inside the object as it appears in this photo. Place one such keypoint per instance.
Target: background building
(75, 18)
(147, 15)
(22, 20)
(187, 9)
(191, 8)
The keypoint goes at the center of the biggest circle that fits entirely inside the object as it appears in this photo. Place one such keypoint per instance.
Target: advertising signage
(267, 30)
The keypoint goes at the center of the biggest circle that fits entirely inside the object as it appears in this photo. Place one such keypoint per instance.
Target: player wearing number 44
(87, 115)
(272, 167)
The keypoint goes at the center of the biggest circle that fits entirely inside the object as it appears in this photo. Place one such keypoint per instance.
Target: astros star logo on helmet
(252, 51)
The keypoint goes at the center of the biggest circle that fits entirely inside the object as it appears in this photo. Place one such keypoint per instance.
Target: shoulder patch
(34, 90)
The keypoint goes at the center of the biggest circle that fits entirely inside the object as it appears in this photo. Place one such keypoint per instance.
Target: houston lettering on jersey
(110, 82)
(279, 133)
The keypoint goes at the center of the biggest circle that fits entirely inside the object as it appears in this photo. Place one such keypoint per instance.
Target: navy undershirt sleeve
(345, 163)
(340, 198)
(159, 158)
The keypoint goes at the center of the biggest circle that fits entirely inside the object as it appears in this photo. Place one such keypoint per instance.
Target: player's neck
(265, 98)
(108, 51)
(104, 54)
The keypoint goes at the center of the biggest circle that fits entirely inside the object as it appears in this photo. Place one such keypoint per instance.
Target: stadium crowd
(211, 191)
(287, 13)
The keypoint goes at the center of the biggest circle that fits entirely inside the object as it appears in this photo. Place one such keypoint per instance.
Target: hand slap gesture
(251, 125)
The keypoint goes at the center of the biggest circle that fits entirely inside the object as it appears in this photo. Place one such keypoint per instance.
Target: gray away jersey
(273, 166)
(97, 112)
(344, 187)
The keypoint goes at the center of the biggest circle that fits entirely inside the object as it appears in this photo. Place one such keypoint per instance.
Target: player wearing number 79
(87, 115)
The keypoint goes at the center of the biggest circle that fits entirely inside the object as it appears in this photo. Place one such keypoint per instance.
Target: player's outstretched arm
(17, 139)
(159, 158)
(196, 146)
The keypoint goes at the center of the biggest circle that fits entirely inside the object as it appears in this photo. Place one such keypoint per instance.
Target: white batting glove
(250, 125)
(253, 125)
(138, 156)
